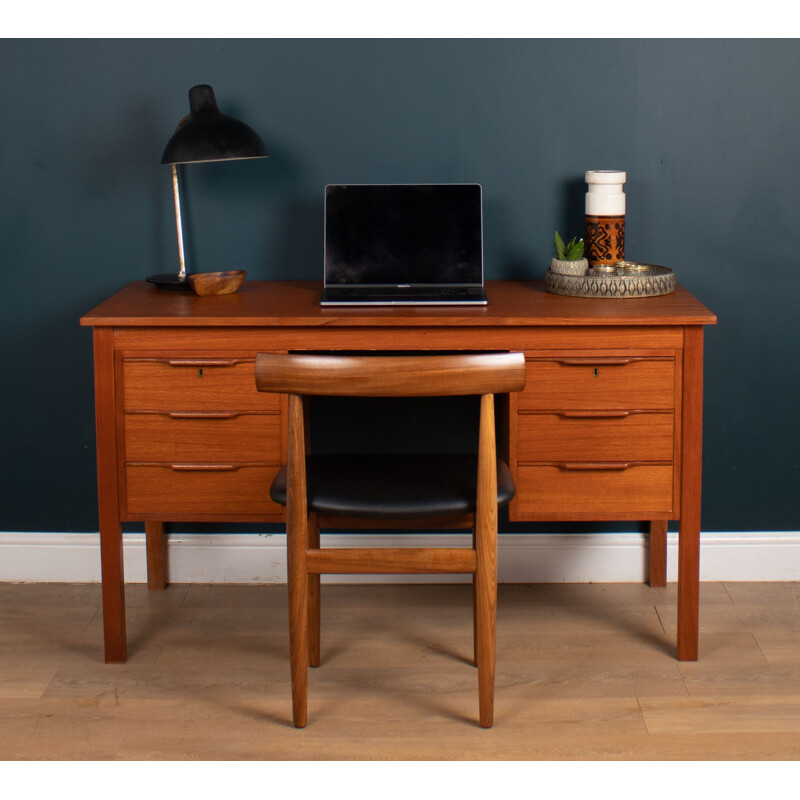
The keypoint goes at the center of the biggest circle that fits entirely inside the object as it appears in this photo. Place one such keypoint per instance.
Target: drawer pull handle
(596, 414)
(202, 362)
(204, 467)
(592, 361)
(202, 414)
(596, 465)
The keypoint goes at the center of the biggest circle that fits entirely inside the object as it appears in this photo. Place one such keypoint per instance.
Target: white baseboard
(534, 558)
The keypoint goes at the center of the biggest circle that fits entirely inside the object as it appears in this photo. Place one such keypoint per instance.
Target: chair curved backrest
(391, 375)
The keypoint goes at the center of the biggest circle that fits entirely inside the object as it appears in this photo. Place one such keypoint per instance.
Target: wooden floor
(585, 671)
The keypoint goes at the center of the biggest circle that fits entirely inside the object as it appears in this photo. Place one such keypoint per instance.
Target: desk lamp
(204, 135)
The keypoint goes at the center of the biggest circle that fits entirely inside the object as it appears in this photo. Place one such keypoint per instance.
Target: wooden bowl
(207, 283)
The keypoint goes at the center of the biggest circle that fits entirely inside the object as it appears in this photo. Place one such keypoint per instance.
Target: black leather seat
(383, 486)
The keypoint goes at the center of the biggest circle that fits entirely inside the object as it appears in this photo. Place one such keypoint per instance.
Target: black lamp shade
(209, 135)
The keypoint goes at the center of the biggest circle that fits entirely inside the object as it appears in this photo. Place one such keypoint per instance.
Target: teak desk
(609, 426)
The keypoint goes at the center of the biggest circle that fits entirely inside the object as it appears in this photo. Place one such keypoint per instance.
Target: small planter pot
(579, 267)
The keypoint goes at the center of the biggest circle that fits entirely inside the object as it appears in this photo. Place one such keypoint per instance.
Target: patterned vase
(605, 217)
(605, 240)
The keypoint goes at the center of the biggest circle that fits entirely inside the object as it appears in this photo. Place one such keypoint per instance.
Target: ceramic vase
(605, 217)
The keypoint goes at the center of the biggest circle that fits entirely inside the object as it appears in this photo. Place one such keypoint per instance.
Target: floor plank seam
(760, 649)
(727, 591)
(660, 619)
(91, 619)
(644, 718)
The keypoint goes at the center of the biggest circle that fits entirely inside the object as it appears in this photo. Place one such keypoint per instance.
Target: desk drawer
(203, 437)
(597, 382)
(562, 491)
(595, 436)
(194, 384)
(186, 490)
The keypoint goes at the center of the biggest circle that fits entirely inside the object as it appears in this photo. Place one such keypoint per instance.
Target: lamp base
(171, 280)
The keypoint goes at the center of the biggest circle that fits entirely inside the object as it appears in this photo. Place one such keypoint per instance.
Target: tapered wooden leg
(486, 620)
(296, 545)
(314, 598)
(474, 603)
(689, 532)
(113, 582)
(111, 559)
(688, 589)
(658, 552)
(486, 567)
(155, 544)
(298, 620)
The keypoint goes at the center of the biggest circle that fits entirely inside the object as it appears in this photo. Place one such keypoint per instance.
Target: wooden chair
(388, 487)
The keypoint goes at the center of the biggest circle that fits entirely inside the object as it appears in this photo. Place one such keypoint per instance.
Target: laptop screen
(403, 235)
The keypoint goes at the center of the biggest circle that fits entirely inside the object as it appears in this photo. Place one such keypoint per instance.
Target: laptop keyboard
(415, 291)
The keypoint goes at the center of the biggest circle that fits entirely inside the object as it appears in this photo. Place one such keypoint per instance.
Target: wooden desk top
(296, 303)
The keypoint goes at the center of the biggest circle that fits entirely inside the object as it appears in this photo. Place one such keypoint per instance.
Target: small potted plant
(569, 258)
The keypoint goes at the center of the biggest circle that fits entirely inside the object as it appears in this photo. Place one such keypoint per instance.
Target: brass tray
(627, 280)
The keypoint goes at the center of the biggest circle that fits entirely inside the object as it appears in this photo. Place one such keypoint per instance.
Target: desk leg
(658, 552)
(111, 562)
(113, 577)
(689, 537)
(156, 544)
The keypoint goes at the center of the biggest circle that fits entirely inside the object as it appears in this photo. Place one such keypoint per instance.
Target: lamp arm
(178, 225)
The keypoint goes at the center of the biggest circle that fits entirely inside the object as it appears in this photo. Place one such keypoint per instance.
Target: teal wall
(707, 131)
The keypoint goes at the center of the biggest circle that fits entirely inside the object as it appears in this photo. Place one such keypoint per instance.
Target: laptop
(403, 244)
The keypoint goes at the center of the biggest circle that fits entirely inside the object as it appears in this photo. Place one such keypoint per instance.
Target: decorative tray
(626, 280)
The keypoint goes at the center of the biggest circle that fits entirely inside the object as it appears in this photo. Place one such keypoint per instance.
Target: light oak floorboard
(583, 672)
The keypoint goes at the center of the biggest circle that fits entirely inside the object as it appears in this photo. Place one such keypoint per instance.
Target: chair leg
(486, 620)
(296, 532)
(314, 598)
(474, 602)
(486, 563)
(296, 546)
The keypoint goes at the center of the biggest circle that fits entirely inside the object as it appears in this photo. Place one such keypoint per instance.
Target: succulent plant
(573, 251)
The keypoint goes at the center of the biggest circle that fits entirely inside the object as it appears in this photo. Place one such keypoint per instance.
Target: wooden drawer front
(214, 384)
(183, 491)
(593, 436)
(595, 382)
(550, 489)
(184, 436)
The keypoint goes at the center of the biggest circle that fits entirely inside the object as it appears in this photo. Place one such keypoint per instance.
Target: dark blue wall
(707, 131)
